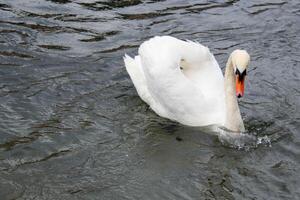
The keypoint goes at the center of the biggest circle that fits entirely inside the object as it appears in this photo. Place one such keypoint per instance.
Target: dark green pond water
(73, 127)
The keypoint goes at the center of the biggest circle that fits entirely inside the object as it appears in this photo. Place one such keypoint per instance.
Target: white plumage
(180, 80)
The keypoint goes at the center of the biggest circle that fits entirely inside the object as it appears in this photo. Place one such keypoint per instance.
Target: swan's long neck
(234, 120)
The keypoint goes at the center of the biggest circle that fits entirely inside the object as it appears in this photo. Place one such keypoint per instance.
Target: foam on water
(242, 141)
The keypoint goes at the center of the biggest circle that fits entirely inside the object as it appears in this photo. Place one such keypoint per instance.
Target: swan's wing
(185, 99)
(203, 70)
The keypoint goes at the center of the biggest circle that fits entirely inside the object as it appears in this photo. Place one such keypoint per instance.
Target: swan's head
(240, 60)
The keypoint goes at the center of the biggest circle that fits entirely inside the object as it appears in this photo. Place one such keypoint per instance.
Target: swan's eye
(237, 72)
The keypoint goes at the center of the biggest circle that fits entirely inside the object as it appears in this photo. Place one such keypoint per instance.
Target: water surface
(73, 127)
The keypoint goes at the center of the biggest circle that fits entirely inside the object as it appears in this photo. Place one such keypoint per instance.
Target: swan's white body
(180, 80)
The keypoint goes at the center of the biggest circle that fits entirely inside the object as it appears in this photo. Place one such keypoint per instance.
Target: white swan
(182, 81)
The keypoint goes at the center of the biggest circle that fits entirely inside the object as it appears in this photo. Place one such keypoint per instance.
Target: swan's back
(180, 80)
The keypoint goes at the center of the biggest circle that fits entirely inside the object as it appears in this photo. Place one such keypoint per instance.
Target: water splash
(242, 141)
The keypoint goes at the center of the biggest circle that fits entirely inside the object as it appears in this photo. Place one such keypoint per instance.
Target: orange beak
(239, 83)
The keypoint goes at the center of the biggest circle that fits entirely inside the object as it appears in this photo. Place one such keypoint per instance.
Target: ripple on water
(73, 127)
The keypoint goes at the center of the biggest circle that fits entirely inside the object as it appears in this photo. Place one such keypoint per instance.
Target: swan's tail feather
(128, 61)
(135, 71)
